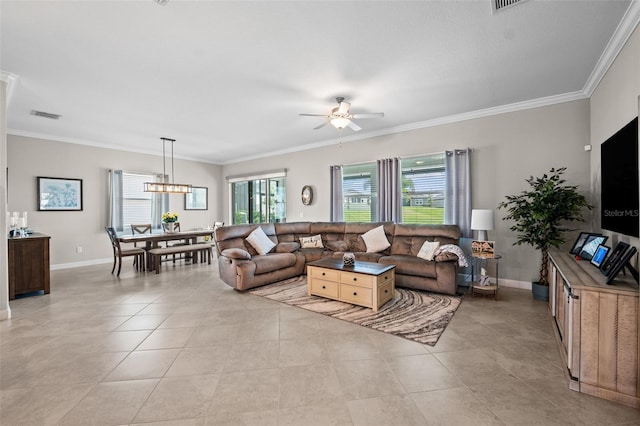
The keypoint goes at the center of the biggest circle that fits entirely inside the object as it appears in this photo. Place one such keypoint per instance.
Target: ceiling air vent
(45, 114)
(497, 5)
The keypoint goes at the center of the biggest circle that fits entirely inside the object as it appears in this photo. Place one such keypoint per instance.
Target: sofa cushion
(376, 240)
(259, 241)
(315, 241)
(273, 261)
(428, 250)
(337, 246)
(286, 247)
(236, 253)
(410, 265)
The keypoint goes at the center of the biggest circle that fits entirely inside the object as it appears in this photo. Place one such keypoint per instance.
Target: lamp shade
(482, 220)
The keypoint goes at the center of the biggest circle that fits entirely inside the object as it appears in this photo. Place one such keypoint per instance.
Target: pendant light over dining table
(180, 188)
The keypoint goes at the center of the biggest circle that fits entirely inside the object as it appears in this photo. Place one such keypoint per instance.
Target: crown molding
(625, 28)
(117, 147)
(487, 112)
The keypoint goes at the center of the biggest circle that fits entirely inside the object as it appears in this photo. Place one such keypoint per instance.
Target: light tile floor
(182, 348)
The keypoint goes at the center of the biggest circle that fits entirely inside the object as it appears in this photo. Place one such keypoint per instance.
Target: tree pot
(540, 292)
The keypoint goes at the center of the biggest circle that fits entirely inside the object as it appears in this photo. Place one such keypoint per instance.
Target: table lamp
(482, 221)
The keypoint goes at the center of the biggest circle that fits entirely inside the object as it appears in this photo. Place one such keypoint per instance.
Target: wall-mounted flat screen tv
(619, 190)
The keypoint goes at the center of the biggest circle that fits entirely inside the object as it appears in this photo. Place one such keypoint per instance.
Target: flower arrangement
(169, 217)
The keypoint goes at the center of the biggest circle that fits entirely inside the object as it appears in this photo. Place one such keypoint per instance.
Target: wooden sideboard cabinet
(597, 328)
(28, 264)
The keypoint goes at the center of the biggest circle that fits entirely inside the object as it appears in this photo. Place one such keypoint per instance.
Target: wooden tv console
(597, 328)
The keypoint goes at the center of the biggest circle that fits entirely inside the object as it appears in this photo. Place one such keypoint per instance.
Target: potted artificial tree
(539, 214)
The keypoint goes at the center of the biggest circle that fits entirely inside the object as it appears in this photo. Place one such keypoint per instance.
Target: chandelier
(181, 188)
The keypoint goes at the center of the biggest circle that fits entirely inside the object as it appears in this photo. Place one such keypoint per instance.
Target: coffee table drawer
(323, 273)
(357, 279)
(324, 288)
(354, 294)
(385, 293)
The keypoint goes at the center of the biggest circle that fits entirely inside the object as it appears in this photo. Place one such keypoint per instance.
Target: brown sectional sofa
(243, 268)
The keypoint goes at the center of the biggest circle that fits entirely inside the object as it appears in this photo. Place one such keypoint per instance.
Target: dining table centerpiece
(170, 220)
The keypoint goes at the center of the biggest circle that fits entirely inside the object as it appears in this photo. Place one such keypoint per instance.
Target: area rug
(414, 315)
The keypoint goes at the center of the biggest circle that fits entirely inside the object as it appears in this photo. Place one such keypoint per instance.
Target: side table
(476, 266)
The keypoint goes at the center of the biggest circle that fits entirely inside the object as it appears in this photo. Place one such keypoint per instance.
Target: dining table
(153, 240)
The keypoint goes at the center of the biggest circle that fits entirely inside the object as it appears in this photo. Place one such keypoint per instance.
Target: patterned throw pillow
(259, 240)
(311, 242)
(375, 240)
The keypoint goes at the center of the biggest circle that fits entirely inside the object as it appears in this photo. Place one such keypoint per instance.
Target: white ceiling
(227, 79)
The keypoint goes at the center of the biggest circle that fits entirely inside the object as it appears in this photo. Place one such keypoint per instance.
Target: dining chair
(144, 228)
(176, 228)
(138, 254)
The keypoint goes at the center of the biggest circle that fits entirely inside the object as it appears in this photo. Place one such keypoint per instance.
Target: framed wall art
(59, 194)
(197, 199)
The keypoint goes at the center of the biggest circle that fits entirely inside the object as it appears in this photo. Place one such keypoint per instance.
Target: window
(259, 200)
(130, 204)
(359, 191)
(423, 189)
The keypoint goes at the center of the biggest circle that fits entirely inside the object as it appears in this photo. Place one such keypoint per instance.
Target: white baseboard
(80, 264)
(5, 314)
(465, 279)
(524, 285)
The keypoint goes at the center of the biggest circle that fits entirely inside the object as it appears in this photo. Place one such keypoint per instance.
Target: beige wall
(29, 157)
(615, 102)
(508, 148)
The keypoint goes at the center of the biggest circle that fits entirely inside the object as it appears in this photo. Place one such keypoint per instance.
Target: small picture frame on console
(620, 265)
(590, 246)
(615, 254)
(600, 255)
(577, 246)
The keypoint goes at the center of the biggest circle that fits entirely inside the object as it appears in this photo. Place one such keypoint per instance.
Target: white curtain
(389, 191)
(457, 207)
(116, 213)
(337, 213)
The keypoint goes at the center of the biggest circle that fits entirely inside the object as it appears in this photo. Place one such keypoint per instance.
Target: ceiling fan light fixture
(340, 122)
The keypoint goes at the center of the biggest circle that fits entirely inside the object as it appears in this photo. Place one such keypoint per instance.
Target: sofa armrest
(446, 257)
(236, 253)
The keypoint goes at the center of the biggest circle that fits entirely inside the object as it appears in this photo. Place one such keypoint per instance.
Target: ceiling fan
(341, 117)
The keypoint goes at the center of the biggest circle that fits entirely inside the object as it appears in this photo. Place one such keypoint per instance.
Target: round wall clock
(307, 195)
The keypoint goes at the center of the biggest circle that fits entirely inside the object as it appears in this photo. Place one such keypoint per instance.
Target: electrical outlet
(79, 249)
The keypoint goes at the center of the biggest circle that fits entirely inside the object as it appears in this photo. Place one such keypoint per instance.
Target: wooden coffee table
(365, 284)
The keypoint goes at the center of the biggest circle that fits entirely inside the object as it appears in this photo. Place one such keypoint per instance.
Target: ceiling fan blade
(370, 115)
(314, 115)
(354, 126)
(344, 107)
(320, 125)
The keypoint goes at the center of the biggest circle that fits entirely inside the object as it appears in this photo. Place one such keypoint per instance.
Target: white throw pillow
(375, 240)
(311, 242)
(259, 240)
(428, 250)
